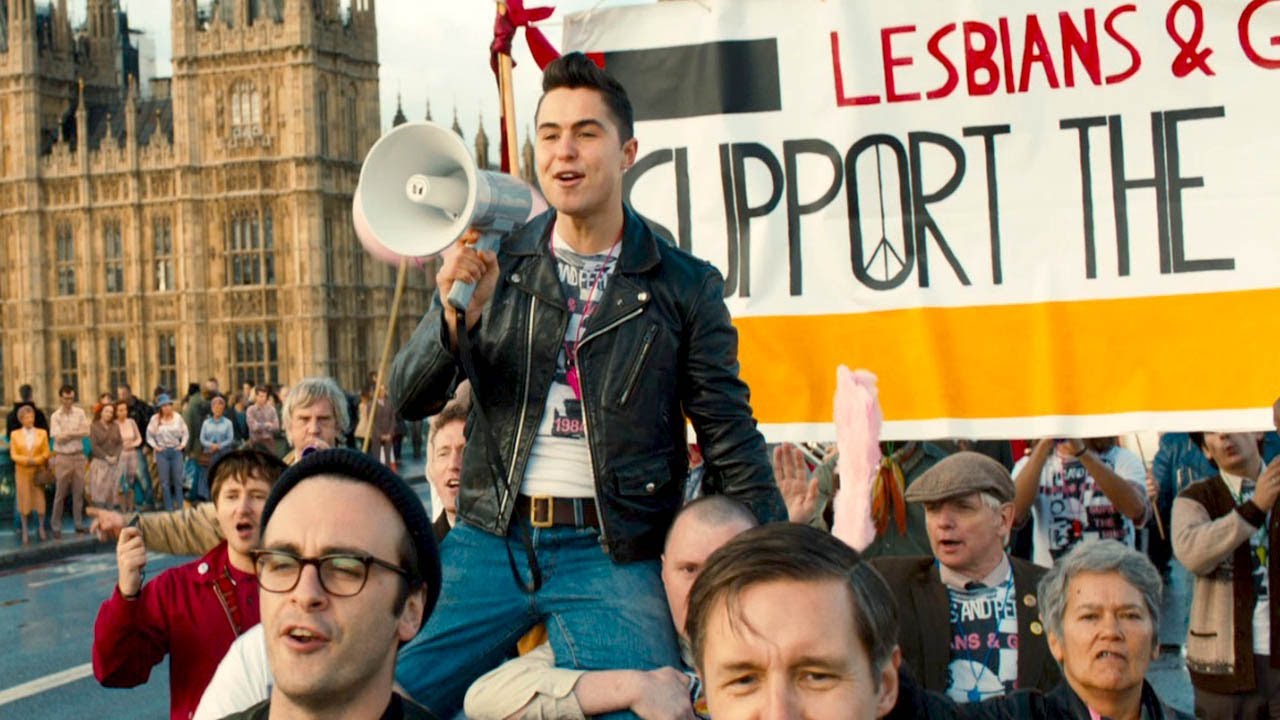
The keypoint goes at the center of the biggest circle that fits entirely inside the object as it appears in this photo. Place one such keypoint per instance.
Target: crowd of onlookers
(125, 453)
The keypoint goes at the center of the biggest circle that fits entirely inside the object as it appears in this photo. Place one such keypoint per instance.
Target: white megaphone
(420, 190)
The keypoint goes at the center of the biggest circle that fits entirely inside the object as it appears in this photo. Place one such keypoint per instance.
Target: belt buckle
(548, 518)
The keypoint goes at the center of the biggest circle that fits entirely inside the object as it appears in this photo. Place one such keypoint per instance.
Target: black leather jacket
(659, 348)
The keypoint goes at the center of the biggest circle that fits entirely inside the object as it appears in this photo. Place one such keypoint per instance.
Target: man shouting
(592, 341)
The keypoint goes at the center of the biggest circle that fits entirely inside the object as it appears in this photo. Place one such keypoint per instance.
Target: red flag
(504, 30)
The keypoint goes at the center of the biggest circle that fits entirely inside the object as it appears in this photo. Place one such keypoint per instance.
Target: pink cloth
(858, 419)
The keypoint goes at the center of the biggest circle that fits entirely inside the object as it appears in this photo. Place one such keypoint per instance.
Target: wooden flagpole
(508, 105)
(513, 163)
(401, 276)
(1156, 506)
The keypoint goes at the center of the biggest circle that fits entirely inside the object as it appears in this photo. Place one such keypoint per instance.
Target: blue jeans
(169, 468)
(199, 481)
(599, 615)
(144, 479)
(1175, 605)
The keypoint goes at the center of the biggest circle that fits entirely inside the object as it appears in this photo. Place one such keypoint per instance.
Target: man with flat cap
(969, 625)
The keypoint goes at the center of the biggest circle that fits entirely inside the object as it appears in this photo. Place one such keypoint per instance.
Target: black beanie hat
(359, 467)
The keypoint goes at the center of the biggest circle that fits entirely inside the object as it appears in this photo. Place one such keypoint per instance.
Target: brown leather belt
(545, 511)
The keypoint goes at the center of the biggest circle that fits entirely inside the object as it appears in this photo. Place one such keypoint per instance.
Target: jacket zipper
(634, 375)
(524, 399)
(586, 426)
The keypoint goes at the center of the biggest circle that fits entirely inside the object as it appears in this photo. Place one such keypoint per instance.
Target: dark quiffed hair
(576, 70)
(787, 551)
(65, 389)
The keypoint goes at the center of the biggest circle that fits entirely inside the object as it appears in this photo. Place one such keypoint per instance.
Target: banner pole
(508, 105)
(379, 382)
(1156, 509)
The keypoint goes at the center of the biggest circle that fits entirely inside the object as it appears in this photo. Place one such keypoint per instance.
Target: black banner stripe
(718, 78)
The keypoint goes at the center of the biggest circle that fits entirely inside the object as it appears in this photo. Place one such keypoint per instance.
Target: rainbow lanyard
(975, 694)
(571, 357)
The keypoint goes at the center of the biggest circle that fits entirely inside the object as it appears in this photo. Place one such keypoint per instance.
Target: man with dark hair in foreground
(787, 621)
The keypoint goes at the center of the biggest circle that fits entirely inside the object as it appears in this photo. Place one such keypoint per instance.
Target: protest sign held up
(1021, 221)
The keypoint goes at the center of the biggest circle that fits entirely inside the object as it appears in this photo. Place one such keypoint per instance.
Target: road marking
(85, 568)
(79, 572)
(48, 682)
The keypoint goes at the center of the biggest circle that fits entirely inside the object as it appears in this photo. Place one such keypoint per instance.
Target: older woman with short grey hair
(1100, 557)
(1100, 607)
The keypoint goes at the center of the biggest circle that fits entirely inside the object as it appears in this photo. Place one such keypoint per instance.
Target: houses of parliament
(199, 226)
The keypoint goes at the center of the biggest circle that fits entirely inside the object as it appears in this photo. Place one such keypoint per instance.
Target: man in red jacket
(193, 611)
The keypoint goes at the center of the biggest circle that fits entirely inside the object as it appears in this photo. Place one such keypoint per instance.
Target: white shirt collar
(956, 581)
(1234, 482)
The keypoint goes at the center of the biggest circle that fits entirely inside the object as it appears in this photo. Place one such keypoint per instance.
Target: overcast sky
(437, 49)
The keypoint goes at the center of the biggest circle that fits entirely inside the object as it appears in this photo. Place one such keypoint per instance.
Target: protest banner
(1051, 218)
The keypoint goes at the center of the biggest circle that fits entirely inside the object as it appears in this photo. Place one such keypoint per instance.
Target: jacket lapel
(933, 612)
(622, 296)
(1032, 655)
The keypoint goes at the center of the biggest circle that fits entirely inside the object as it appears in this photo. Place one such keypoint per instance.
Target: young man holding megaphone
(588, 341)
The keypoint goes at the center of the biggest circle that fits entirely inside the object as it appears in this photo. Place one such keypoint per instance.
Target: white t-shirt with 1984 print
(1071, 508)
(560, 461)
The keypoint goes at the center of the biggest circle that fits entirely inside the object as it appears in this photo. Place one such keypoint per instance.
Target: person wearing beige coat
(1225, 533)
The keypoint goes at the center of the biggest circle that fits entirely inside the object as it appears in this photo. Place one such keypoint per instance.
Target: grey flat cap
(961, 474)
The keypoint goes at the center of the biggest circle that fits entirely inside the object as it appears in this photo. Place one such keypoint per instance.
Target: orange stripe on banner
(1184, 352)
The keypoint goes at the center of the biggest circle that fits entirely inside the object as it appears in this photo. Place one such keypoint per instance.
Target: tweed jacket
(923, 612)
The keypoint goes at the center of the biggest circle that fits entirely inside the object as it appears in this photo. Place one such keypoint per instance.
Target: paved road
(47, 613)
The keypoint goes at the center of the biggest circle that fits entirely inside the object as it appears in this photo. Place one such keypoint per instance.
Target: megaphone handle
(460, 295)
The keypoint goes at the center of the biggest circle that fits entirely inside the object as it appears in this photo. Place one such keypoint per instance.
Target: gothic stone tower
(59, 96)
(281, 105)
(204, 230)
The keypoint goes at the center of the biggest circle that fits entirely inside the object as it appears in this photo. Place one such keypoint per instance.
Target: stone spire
(131, 113)
(456, 127)
(399, 119)
(482, 145)
(527, 171)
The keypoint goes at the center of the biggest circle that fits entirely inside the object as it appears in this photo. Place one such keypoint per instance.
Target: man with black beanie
(348, 572)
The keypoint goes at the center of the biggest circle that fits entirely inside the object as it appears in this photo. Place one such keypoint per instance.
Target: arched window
(256, 357)
(246, 110)
(353, 126)
(113, 256)
(250, 248)
(66, 259)
(117, 361)
(167, 357)
(162, 233)
(322, 116)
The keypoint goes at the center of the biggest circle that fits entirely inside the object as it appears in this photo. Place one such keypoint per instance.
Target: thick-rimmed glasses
(341, 574)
